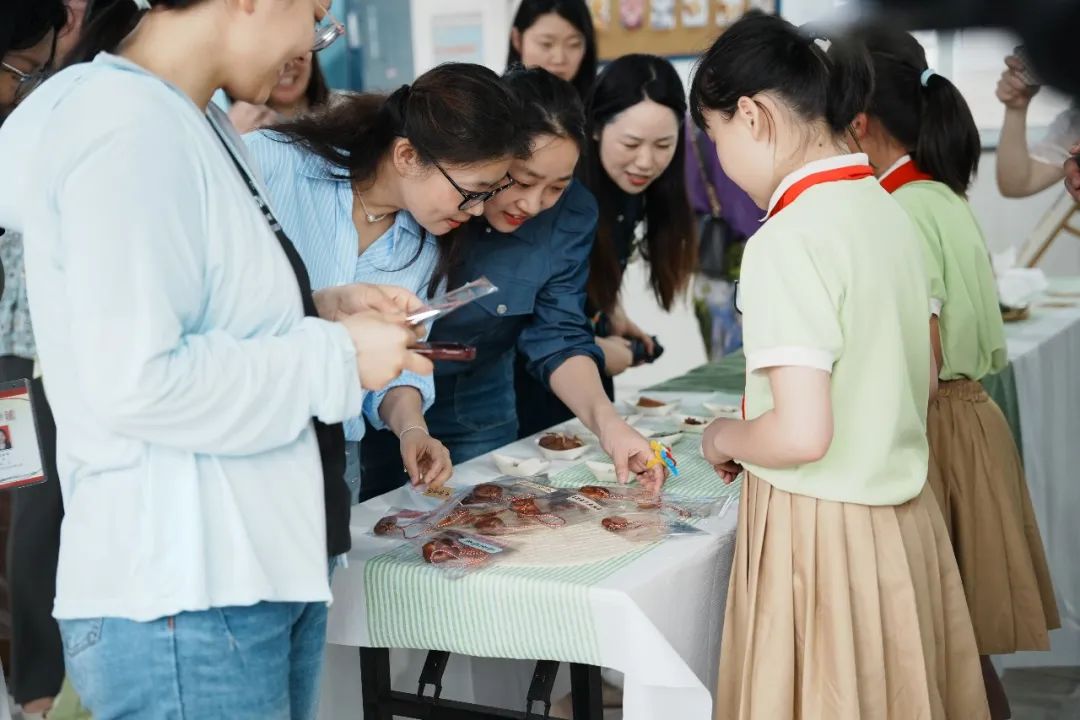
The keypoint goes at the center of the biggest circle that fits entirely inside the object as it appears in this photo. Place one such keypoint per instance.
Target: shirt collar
(895, 166)
(815, 166)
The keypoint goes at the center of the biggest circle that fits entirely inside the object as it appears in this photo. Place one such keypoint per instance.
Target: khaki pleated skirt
(839, 611)
(976, 475)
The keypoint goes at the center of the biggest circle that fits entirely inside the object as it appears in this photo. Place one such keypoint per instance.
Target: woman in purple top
(715, 297)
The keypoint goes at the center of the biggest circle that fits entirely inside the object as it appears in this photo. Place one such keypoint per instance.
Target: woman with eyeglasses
(365, 189)
(29, 32)
(533, 241)
(197, 381)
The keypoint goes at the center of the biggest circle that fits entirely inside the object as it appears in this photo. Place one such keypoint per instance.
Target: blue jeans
(260, 662)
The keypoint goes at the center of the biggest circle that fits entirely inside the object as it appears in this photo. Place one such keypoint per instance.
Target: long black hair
(106, 24)
(454, 114)
(25, 23)
(318, 92)
(575, 12)
(670, 242)
(763, 53)
(549, 105)
(931, 120)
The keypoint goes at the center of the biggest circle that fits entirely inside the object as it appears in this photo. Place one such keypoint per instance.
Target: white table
(659, 620)
(1045, 353)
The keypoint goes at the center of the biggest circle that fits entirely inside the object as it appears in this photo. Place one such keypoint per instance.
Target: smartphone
(1028, 75)
(451, 301)
(451, 351)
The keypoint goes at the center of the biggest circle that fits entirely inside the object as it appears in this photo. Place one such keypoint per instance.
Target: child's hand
(724, 464)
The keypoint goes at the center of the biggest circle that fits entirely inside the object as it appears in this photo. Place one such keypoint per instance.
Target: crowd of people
(220, 254)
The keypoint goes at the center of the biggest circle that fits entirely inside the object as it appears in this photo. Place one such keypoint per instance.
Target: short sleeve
(1063, 133)
(789, 303)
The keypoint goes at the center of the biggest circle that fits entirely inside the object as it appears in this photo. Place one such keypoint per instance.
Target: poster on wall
(458, 38)
(665, 27)
(695, 13)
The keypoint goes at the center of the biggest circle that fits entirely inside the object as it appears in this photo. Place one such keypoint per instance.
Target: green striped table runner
(509, 612)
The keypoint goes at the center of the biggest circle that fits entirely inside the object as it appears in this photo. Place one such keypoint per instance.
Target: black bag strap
(710, 190)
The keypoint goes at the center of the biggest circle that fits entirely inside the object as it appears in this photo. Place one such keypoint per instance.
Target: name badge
(21, 463)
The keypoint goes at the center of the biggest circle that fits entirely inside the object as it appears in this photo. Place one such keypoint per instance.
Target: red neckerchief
(848, 172)
(901, 176)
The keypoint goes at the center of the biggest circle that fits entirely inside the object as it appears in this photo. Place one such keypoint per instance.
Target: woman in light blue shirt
(365, 188)
(185, 363)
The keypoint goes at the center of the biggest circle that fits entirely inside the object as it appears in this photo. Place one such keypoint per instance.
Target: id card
(21, 462)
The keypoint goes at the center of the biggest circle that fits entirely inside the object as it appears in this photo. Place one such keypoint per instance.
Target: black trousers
(537, 407)
(37, 653)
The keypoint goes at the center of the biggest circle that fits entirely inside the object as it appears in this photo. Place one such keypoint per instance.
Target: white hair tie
(142, 4)
(926, 75)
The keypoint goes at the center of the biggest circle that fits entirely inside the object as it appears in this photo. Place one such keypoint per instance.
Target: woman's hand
(1012, 89)
(725, 465)
(623, 326)
(335, 303)
(618, 356)
(631, 453)
(426, 459)
(382, 349)
(246, 117)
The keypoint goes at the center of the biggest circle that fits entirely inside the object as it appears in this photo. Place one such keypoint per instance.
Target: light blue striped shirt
(316, 210)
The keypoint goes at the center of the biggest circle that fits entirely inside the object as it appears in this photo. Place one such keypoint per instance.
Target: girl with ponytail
(370, 189)
(197, 382)
(923, 143)
(844, 586)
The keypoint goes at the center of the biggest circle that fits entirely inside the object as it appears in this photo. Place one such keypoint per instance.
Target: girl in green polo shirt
(845, 600)
(924, 145)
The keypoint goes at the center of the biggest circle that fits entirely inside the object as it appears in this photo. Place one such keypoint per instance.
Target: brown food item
(693, 421)
(439, 551)
(524, 506)
(595, 492)
(559, 442)
(615, 523)
(484, 493)
(386, 526)
(489, 523)
(650, 403)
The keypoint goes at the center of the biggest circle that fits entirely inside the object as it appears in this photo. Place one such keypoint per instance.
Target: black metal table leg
(588, 694)
(375, 683)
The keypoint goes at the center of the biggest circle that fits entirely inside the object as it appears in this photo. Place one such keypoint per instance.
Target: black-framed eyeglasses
(27, 82)
(327, 31)
(472, 198)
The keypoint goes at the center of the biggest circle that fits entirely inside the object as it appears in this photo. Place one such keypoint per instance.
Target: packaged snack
(622, 497)
(459, 553)
(646, 526)
(402, 523)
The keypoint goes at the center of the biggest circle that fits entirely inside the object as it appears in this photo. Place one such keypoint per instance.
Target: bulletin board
(665, 27)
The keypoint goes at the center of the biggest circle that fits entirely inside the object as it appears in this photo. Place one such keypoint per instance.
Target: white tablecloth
(659, 620)
(1045, 352)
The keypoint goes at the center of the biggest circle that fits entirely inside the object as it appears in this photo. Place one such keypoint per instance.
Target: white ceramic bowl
(659, 411)
(723, 410)
(572, 454)
(520, 467)
(692, 428)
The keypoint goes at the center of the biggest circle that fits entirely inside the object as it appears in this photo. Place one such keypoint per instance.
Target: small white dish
(668, 439)
(651, 410)
(571, 454)
(520, 467)
(603, 472)
(723, 410)
(694, 428)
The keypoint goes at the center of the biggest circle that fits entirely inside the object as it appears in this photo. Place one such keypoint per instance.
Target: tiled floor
(1051, 693)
